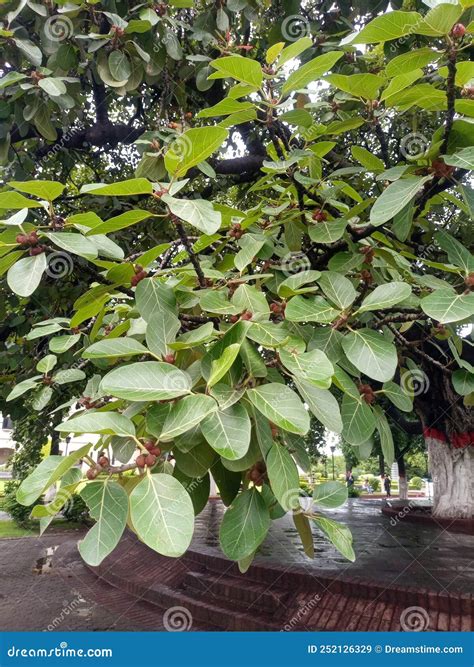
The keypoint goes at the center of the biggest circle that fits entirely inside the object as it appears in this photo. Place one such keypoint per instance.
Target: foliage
(353, 493)
(416, 483)
(266, 247)
(76, 510)
(18, 512)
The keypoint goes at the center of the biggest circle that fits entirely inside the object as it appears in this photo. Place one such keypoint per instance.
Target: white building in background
(7, 444)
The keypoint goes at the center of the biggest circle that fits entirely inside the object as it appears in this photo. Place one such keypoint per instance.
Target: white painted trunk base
(452, 471)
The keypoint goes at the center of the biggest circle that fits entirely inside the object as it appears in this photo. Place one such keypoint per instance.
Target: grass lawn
(10, 529)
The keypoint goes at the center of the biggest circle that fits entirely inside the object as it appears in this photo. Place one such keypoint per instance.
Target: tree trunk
(452, 471)
(402, 479)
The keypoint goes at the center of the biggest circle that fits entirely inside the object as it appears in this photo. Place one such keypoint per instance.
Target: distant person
(387, 485)
(349, 480)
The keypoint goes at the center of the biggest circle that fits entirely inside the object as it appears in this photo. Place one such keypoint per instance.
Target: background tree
(251, 220)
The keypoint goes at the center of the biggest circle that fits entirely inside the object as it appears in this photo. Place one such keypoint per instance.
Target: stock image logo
(177, 619)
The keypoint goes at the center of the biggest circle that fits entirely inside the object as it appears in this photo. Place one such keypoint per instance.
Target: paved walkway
(41, 589)
(44, 593)
(388, 552)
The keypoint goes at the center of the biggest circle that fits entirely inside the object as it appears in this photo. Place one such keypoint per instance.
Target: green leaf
(198, 212)
(114, 348)
(281, 406)
(49, 190)
(220, 366)
(52, 86)
(464, 158)
(194, 337)
(30, 51)
(330, 494)
(458, 254)
(339, 535)
(49, 471)
(11, 78)
(134, 186)
(119, 222)
(74, 243)
(367, 159)
(239, 68)
(69, 375)
(22, 387)
(24, 277)
(268, 335)
(398, 396)
(395, 197)
(225, 107)
(162, 514)
(146, 381)
(358, 420)
(311, 71)
(314, 309)
(196, 459)
(328, 231)
(314, 366)
(185, 414)
(439, 20)
(153, 298)
(283, 475)
(386, 27)
(386, 438)
(228, 431)
(385, 296)
(14, 200)
(98, 422)
(108, 505)
(250, 245)
(371, 353)
(303, 527)
(358, 85)
(197, 487)
(161, 330)
(406, 62)
(245, 525)
(444, 306)
(228, 482)
(322, 404)
(463, 381)
(193, 147)
(47, 363)
(337, 288)
(119, 65)
(293, 50)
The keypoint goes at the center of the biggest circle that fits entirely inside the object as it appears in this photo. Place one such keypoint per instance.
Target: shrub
(352, 492)
(416, 483)
(19, 513)
(76, 510)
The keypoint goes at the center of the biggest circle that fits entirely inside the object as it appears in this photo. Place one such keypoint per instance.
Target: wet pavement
(44, 585)
(388, 551)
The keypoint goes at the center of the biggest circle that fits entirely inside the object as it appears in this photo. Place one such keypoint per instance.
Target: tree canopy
(219, 218)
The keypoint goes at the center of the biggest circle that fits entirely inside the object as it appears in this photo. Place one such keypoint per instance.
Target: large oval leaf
(108, 505)
(245, 525)
(282, 406)
(162, 514)
(371, 353)
(146, 381)
(228, 432)
(283, 475)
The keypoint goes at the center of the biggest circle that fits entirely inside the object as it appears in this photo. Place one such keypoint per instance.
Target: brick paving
(400, 569)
